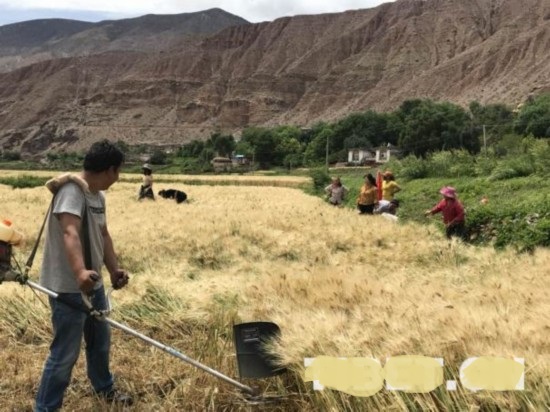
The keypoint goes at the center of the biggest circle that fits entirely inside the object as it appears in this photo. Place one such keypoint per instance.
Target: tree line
(418, 127)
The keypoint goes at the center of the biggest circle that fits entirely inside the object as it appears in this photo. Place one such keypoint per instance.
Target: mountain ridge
(32, 41)
(294, 70)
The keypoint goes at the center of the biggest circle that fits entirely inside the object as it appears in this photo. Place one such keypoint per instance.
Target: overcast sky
(12, 11)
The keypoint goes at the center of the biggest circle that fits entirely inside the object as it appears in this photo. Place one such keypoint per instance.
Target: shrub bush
(320, 178)
(502, 172)
(514, 167)
(413, 167)
(24, 181)
(540, 152)
(484, 166)
(11, 155)
(462, 164)
(158, 157)
(195, 166)
(440, 163)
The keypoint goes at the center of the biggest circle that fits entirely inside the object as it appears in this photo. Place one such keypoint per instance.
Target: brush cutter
(249, 338)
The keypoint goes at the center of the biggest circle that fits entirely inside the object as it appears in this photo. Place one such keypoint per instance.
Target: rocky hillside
(29, 42)
(295, 70)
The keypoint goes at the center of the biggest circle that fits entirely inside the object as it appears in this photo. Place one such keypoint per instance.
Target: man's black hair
(103, 155)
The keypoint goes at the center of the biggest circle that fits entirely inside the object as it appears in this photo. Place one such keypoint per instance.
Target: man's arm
(70, 224)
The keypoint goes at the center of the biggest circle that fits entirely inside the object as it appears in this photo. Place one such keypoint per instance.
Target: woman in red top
(452, 211)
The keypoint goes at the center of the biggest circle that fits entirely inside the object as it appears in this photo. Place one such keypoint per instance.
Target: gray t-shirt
(56, 273)
(336, 193)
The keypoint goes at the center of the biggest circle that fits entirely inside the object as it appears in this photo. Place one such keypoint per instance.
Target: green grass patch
(24, 181)
(517, 213)
(155, 302)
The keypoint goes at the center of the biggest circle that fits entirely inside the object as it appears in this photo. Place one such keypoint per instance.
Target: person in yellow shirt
(367, 196)
(389, 186)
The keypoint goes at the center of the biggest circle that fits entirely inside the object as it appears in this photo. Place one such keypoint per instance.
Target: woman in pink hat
(452, 211)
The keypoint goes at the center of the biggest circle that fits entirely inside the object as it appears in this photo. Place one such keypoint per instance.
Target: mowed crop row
(337, 284)
(164, 179)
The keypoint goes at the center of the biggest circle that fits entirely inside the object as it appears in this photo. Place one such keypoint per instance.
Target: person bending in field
(385, 206)
(146, 189)
(453, 213)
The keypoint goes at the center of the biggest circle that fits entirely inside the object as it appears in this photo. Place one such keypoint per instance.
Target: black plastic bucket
(5, 257)
(252, 359)
(5, 253)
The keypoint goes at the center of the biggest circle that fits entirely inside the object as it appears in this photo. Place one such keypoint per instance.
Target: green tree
(263, 142)
(158, 157)
(356, 126)
(244, 148)
(315, 152)
(288, 147)
(355, 141)
(293, 160)
(288, 132)
(221, 144)
(369, 129)
(192, 149)
(11, 155)
(207, 154)
(496, 118)
(429, 126)
(534, 117)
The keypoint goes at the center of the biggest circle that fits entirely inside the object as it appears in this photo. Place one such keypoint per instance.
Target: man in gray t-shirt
(56, 273)
(77, 228)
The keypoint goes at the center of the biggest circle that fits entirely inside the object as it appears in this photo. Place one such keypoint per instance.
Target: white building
(365, 156)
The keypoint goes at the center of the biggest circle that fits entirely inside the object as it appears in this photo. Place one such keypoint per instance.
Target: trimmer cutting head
(260, 398)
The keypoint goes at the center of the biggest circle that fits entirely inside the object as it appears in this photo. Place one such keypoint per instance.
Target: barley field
(337, 283)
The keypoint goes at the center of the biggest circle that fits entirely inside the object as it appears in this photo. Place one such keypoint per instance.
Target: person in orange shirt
(389, 186)
(367, 196)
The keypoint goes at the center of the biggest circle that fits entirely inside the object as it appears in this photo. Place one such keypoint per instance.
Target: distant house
(361, 156)
(372, 156)
(221, 164)
(240, 160)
